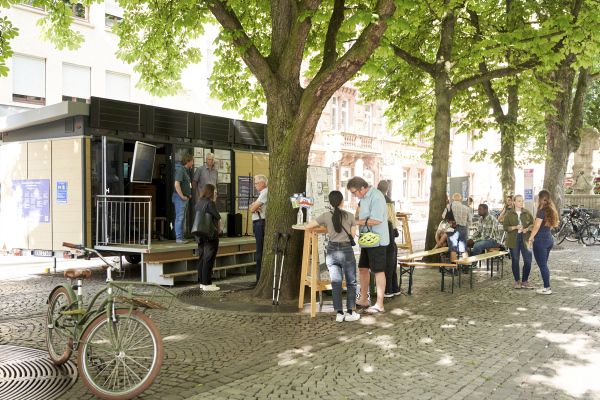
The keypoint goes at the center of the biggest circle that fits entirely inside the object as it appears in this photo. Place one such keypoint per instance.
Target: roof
(54, 112)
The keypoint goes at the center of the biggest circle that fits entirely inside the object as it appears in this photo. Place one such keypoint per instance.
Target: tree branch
(411, 60)
(499, 73)
(253, 59)
(330, 53)
(594, 76)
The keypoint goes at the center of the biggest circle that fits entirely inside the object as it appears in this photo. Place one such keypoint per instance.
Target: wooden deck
(172, 246)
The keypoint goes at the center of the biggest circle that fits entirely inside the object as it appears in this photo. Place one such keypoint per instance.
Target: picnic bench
(407, 265)
(491, 255)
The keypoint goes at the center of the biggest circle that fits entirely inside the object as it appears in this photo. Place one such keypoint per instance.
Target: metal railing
(124, 220)
(353, 140)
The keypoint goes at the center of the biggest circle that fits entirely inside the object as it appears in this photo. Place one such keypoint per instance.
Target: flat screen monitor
(143, 162)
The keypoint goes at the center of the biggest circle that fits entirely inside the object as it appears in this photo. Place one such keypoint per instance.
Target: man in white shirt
(258, 210)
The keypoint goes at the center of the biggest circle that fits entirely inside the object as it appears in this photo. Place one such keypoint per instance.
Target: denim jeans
(542, 244)
(180, 213)
(341, 257)
(481, 245)
(259, 235)
(457, 240)
(514, 256)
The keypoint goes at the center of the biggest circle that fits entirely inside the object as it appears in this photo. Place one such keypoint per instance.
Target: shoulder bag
(352, 242)
(204, 226)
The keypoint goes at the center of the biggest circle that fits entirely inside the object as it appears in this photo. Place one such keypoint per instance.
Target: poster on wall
(319, 180)
(33, 199)
(222, 154)
(61, 192)
(224, 178)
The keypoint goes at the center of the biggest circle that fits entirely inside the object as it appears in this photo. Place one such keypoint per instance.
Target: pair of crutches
(276, 250)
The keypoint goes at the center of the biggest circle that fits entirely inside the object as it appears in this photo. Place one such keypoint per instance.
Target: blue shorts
(457, 240)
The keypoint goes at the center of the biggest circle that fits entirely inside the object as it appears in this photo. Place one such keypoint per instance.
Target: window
(76, 83)
(334, 113)
(117, 86)
(419, 184)
(345, 115)
(79, 10)
(113, 13)
(368, 118)
(405, 184)
(368, 176)
(29, 79)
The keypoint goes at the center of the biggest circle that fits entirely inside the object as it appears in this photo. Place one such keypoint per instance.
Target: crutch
(276, 250)
(286, 237)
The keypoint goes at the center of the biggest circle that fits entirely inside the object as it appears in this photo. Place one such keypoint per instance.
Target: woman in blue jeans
(518, 223)
(541, 238)
(341, 227)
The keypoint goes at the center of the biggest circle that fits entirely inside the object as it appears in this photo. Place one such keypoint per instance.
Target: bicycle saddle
(78, 273)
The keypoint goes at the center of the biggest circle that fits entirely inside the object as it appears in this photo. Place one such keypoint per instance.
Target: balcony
(352, 141)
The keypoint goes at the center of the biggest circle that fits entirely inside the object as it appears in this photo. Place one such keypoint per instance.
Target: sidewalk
(492, 342)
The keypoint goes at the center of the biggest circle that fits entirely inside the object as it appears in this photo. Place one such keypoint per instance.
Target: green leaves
(7, 32)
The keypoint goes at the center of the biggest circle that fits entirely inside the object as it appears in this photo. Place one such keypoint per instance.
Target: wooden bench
(444, 268)
(468, 262)
(407, 265)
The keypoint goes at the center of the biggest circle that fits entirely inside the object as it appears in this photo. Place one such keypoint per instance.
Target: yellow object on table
(311, 247)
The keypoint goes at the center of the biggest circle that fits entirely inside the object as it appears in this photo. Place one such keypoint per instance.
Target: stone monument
(583, 168)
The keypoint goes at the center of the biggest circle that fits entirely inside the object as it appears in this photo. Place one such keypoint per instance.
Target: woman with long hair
(518, 223)
(545, 219)
(207, 248)
(509, 205)
(341, 227)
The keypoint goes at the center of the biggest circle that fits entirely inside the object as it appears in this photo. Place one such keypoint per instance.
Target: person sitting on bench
(486, 236)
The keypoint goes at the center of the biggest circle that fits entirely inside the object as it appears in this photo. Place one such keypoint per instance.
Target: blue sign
(33, 199)
(528, 195)
(61, 192)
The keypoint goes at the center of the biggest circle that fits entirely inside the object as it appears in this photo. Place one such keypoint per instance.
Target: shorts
(373, 258)
(457, 240)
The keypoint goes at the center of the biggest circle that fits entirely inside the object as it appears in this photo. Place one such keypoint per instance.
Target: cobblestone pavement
(492, 342)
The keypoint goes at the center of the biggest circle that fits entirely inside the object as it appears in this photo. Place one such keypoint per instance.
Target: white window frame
(118, 86)
(368, 120)
(419, 184)
(345, 115)
(334, 113)
(405, 184)
(80, 90)
(29, 79)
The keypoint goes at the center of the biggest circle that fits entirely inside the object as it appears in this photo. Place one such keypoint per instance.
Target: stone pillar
(583, 179)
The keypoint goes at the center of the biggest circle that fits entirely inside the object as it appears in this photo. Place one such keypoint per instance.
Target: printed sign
(244, 185)
(465, 190)
(528, 173)
(243, 203)
(33, 199)
(61, 192)
(528, 196)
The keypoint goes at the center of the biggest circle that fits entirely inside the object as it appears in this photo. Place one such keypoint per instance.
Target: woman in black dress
(207, 248)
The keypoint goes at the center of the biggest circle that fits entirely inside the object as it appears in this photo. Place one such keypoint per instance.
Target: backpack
(450, 217)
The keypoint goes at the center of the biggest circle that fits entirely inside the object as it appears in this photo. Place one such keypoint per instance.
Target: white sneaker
(544, 291)
(211, 288)
(340, 317)
(201, 287)
(352, 316)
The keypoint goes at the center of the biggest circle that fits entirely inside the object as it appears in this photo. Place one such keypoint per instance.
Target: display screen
(143, 162)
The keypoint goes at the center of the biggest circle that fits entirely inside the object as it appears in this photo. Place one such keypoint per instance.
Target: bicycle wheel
(573, 231)
(564, 232)
(588, 235)
(58, 339)
(125, 371)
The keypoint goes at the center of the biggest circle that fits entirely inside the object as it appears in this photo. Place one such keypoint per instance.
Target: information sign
(33, 199)
(61, 192)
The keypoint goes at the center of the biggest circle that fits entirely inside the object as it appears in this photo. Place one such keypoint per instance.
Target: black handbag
(450, 216)
(204, 226)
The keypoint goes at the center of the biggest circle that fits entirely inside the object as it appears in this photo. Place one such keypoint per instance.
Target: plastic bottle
(300, 218)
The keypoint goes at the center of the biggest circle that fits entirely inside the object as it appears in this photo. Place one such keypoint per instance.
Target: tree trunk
(558, 144)
(507, 147)
(439, 165)
(290, 137)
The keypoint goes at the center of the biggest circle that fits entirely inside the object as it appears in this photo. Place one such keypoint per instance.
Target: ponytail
(335, 199)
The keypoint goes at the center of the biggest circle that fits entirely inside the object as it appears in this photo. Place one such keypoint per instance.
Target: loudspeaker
(234, 225)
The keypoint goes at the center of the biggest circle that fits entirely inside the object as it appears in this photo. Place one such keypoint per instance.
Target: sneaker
(182, 241)
(201, 287)
(544, 291)
(211, 288)
(518, 285)
(397, 293)
(526, 285)
(388, 295)
(352, 316)
(340, 317)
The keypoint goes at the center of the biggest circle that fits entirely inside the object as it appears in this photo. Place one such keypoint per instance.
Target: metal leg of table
(410, 274)
(443, 270)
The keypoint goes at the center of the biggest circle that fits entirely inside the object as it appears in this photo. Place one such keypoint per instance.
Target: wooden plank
(161, 257)
(236, 253)
(226, 249)
(170, 260)
(234, 266)
(423, 254)
(484, 256)
(417, 264)
(179, 274)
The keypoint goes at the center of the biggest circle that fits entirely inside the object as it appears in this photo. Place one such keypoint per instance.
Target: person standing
(258, 210)
(205, 174)
(545, 219)
(391, 252)
(518, 223)
(509, 205)
(182, 195)
(207, 248)
(372, 214)
(341, 226)
(457, 239)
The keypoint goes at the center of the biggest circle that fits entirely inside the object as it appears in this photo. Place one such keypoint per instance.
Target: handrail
(124, 220)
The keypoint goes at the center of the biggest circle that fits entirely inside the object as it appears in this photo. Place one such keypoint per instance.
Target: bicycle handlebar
(69, 245)
(96, 252)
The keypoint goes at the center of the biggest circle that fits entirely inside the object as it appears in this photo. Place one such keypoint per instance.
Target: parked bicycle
(120, 349)
(576, 226)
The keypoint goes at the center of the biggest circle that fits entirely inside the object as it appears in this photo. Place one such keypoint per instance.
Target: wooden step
(179, 274)
(236, 253)
(171, 260)
(234, 266)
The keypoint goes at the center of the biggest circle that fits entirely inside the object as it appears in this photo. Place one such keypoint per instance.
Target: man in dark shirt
(182, 194)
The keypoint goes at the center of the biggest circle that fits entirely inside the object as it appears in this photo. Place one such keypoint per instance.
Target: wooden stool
(311, 247)
(403, 218)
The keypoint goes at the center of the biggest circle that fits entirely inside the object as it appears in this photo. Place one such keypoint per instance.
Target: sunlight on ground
(446, 360)
(578, 375)
(289, 357)
(399, 311)
(176, 337)
(385, 342)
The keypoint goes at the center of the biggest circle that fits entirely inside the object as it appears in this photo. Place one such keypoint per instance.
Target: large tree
(266, 40)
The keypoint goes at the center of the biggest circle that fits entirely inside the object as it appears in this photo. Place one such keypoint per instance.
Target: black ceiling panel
(217, 129)
(250, 133)
(119, 115)
(164, 121)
